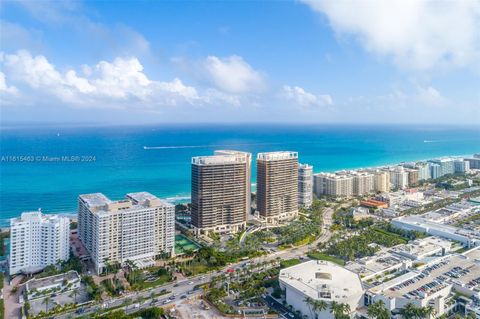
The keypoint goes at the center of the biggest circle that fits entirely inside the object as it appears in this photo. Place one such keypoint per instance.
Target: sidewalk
(12, 306)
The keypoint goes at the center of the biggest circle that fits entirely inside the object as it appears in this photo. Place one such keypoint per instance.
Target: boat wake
(206, 146)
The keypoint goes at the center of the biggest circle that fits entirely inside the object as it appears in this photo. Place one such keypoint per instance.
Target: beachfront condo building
(461, 166)
(435, 170)
(38, 240)
(413, 176)
(399, 177)
(139, 229)
(362, 183)
(221, 192)
(423, 171)
(333, 184)
(447, 166)
(381, 181)
(474, 162)
(277, 186)
(305, 185)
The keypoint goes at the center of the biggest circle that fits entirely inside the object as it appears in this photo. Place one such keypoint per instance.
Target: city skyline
(305, 61)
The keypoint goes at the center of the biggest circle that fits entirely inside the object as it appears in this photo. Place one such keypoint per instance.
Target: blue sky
(240, 61)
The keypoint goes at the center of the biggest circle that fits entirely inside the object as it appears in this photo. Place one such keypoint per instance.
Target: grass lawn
(289, 263)
(321, 256)
(149, 284)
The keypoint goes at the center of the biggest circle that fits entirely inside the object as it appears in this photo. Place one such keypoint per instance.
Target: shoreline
(183, 198)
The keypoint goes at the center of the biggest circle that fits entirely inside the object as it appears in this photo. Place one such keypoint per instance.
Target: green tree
(46, 301)
(378, 310)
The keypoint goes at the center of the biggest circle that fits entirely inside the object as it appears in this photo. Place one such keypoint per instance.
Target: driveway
(12, 306)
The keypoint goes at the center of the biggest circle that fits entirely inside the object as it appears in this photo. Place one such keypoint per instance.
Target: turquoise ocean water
(122, 165)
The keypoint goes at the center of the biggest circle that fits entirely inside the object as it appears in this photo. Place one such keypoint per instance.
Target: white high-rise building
(305, 185)
(423, 171)
(399, 177)
(362, 183)
(381, 181)
(139, 228)
(333, 184)
(435, 170)
(446, 165)
(38, 240)
(461, 166)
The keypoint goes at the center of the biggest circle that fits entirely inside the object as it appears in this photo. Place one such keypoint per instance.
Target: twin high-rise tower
(277, 186)
(221, 190)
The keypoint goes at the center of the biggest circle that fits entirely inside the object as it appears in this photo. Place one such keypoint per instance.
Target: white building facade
(321, 280)
(138, 228)
(38, 240)
(305, 185)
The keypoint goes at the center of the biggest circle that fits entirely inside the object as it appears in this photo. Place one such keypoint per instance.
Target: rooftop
(95, 199)
(379, 263)
(219, 159)
(102, 204)
(419, 248)
(274, 156)
(320, 279)
(461, 270)
(52, 280)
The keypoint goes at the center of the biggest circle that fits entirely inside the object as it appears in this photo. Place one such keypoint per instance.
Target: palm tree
(309, 301)
(428, 312)
(409, 311)
(378, 310)
(46, 301)
(106, 261)
(319, 306)
(339, 310)
(334, 308)
(74, 294)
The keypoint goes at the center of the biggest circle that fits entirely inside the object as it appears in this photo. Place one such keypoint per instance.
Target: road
(175, 289)
(186, 286)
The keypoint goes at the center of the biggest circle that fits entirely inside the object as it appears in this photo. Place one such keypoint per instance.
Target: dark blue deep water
(122, 165)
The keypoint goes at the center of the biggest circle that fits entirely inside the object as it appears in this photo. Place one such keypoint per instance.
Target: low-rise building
(433, 284)
(425, 247)
(467, 237)
(372, 203)
(48, 286)
(375, 266)
(320, 280)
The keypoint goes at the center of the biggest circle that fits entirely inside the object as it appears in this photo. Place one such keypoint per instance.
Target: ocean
(47, 167)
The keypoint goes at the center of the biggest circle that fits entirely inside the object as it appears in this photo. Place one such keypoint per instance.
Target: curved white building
(321, 280)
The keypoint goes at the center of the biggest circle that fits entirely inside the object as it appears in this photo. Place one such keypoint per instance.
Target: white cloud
(416, 97)
(233, 74)
(304, 98)
(108, 83)
(4, 88)
(119, 83)
(417, 34)
(430, 96)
